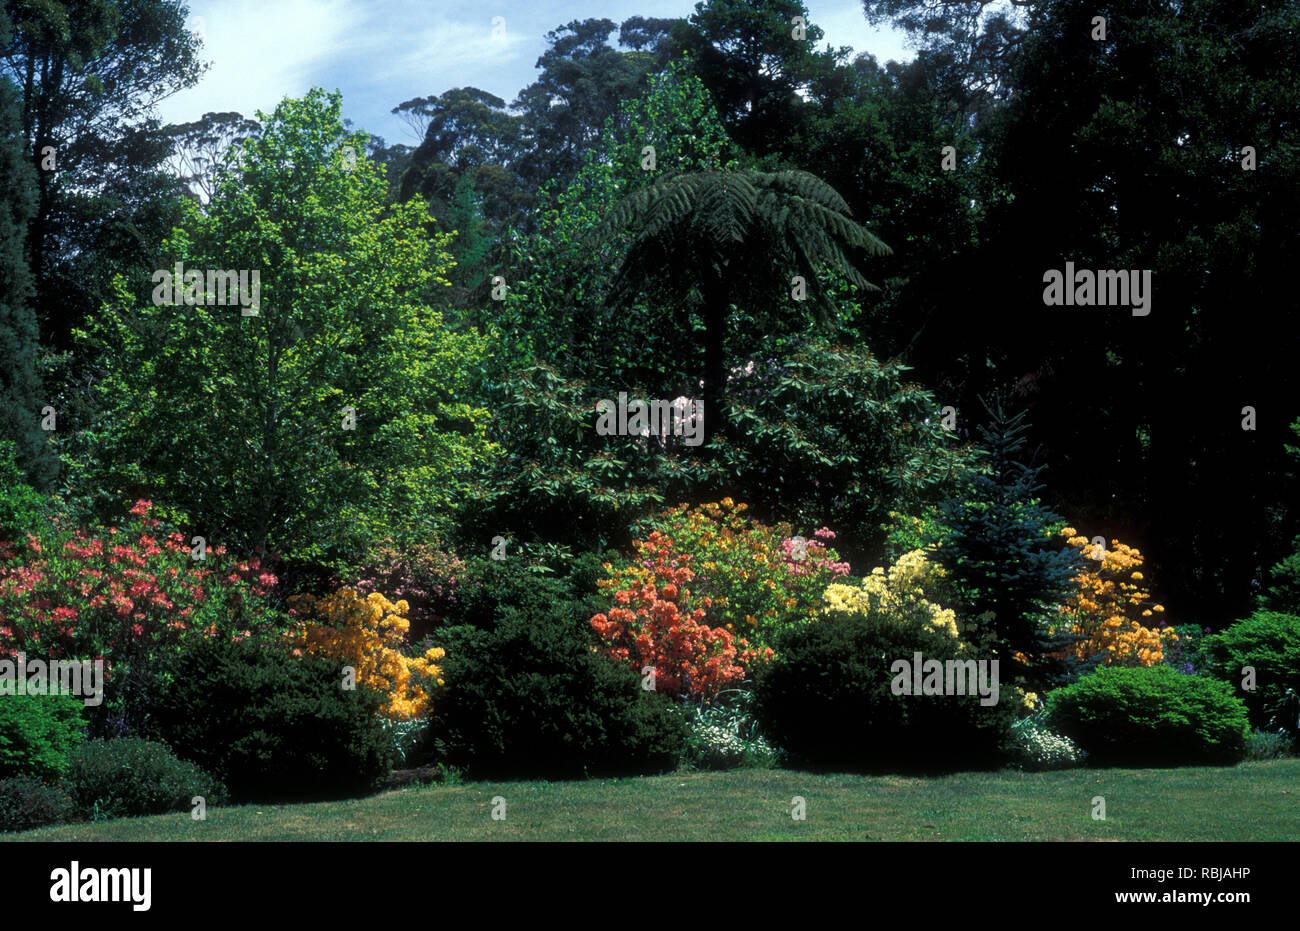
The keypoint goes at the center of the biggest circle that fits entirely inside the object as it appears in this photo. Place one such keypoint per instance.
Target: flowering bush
(128, 594)
(1034, 746)
(899, 593)
(725, 736)
(759, 579)
(367, 634)
(655, 622)
(425, 577)
(1103, 612)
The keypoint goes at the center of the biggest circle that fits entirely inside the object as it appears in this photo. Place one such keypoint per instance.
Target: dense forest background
(1122, 153)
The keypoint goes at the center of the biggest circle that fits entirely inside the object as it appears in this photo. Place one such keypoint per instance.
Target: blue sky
(381, 52)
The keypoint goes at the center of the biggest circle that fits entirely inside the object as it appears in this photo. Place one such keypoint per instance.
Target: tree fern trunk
(716, 312)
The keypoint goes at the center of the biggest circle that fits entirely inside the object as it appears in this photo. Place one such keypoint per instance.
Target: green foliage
(20, 390)
(583, 82)
(1009, 572)
(37, 732)
(1150, 716)
(756, 68)
(97, 69)
(837, 436)
(271, 726)
(527, 696)
(554, 310)
(559, 480)
(240, 420)
(1283, 592)
(1270, 642)
(27, 802)
(125, 777)
(23, 510)
(827, 700)
(830, 436)
(1266, 745)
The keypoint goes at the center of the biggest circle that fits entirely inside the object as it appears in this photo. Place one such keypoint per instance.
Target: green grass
(1252, 802)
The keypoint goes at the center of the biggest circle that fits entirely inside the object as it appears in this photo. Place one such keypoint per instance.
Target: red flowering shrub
(760, 579)
(657, 622)
(129, 595)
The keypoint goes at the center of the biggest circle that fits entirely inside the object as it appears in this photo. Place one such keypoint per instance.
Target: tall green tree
(341, 410)
(759, 59)
(20, 390)
(1127, 153)
(582, 83)
(90, 74)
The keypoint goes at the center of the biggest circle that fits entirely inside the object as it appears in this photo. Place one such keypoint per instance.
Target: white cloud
(398, 48)
(260, 50)
(264, 50)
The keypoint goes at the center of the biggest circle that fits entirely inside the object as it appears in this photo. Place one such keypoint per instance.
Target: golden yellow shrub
(1107, 608)
(367, 633)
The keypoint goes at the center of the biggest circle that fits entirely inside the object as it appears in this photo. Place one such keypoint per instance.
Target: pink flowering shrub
(428, 579)
(129, 595)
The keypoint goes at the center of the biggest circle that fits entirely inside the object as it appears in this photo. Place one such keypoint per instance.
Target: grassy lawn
(1250, 802)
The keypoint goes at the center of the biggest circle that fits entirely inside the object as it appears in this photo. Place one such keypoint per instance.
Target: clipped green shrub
(827, 700)
(1270, 642)
(1150, 716)
(37, 732)
(271, 726)
(527, 698)
(27, 802)
(123, 777)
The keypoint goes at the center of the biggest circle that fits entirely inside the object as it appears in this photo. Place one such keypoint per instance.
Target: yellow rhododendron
(367, 633)
(898, 591)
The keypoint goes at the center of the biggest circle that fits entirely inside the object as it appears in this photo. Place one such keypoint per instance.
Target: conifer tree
(1008, 570)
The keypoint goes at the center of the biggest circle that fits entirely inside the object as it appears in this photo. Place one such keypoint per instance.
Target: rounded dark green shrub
(123, 777)
(1150, 716)
(1270, 642)
(37, 732)
(827, 700)
(272, 726)
(27, 802)
(527, 697)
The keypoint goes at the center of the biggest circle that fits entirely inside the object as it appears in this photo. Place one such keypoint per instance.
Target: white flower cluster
(719, 746)
(1042, 749)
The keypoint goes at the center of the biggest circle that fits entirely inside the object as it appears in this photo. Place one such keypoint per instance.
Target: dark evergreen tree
(20, 393)
(1008, 571)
